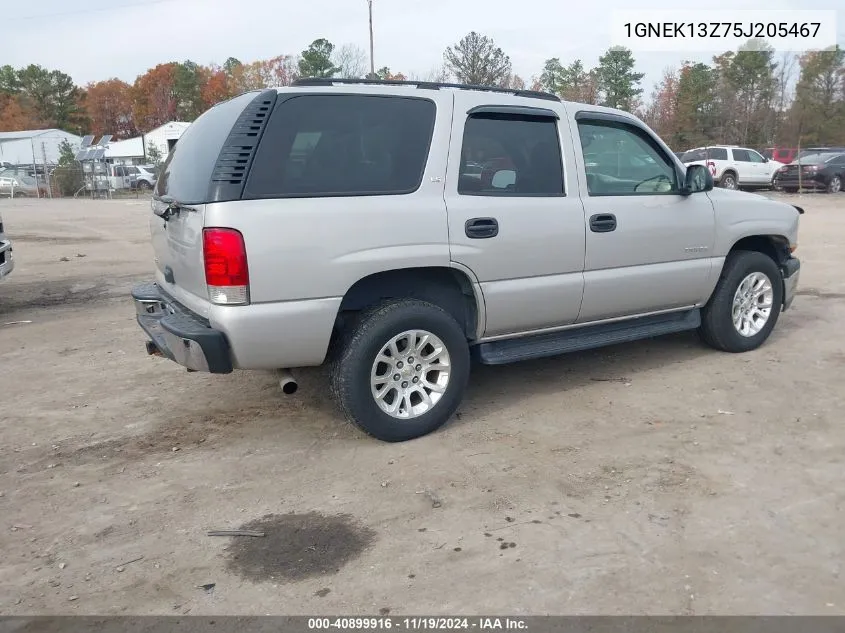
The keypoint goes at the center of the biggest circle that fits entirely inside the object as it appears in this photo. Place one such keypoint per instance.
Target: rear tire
(746, 304)
(729, 181)
(374, 350)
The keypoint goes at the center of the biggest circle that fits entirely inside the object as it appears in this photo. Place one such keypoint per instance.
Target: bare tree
(351, 61)
(477, 60)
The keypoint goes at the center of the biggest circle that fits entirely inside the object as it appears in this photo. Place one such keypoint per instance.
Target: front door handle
(481, 228)
(603, 223)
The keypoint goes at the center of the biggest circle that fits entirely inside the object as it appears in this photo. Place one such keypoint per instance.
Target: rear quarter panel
(315, 248)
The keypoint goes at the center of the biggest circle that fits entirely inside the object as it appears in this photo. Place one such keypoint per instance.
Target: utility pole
(47, 171)
(372, 60)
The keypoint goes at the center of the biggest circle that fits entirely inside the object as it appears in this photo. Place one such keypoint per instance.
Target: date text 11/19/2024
(417, 623)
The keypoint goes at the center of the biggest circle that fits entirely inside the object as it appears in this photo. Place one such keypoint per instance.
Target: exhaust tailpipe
(287, 382)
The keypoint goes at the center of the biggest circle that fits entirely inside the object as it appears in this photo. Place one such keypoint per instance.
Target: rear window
(343, 145)
(710, 153)
(186, 174)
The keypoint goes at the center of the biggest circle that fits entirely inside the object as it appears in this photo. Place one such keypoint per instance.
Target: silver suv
(394, 231)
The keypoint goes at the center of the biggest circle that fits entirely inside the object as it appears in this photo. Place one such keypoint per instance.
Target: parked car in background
(783, 155)
(133, 177)
(18, 185)
(589, 233)
(734, 167)
(825, 171)
(6, 261)
(813, 151)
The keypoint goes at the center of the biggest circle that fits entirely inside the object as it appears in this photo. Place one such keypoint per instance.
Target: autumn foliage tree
(154, 95)
(110, 108)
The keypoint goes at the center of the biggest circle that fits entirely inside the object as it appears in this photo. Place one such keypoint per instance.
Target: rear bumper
(178, 334)
(7, 263)
(791, 271)
(807, 182)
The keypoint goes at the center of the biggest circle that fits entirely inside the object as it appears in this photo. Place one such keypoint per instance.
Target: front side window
(510, 155)
(343, 145)
(741, 155)
(754, 157)
(621, 159)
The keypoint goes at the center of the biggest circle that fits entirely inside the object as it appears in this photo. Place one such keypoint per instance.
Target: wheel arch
(454, 289)
(775, 246)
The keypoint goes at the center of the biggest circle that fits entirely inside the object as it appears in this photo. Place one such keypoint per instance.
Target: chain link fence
(69, 181)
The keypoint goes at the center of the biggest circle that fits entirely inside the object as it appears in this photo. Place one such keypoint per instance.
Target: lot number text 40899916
(417, 623)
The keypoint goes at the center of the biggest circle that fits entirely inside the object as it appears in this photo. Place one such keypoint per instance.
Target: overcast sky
(98, 39)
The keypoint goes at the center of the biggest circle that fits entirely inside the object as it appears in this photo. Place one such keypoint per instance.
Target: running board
(587, 337)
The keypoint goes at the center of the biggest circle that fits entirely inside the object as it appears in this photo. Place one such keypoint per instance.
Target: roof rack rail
(425, 85)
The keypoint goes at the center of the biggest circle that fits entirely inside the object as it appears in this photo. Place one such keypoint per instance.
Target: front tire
(746, 304)
(401, 370)
(835, 185)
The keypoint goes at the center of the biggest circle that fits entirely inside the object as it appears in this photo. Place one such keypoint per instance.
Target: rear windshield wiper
(172, 207)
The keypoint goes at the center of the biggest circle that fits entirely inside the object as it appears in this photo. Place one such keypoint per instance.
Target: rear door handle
(603, 223)
(481, 228)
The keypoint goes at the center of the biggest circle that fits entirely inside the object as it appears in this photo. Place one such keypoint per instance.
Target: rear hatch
(206, 165)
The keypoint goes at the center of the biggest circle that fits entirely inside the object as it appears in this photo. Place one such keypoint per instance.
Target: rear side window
(508, 155)
(693, 155)
(710, 153)
(343, 145)
(186, 174)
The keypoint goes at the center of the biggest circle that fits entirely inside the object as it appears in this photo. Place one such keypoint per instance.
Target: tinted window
(511, 155)
(623, 160)
(693, 155)
(186, 174)
(708, 153)
(741, 155)
(343, 145)
(838, 160)
(754, 157)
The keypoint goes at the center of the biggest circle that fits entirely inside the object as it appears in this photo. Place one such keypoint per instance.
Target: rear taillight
(226, 271)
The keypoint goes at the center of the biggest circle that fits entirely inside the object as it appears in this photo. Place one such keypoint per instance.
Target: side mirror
(503, 178)
(698, 178)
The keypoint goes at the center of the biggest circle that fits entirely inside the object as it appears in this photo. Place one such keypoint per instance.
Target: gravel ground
(659, 477)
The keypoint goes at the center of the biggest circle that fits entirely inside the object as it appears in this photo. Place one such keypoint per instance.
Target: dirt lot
(658, 477)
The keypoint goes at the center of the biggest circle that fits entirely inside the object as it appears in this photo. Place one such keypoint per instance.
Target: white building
(34, 147)
(137, 150)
